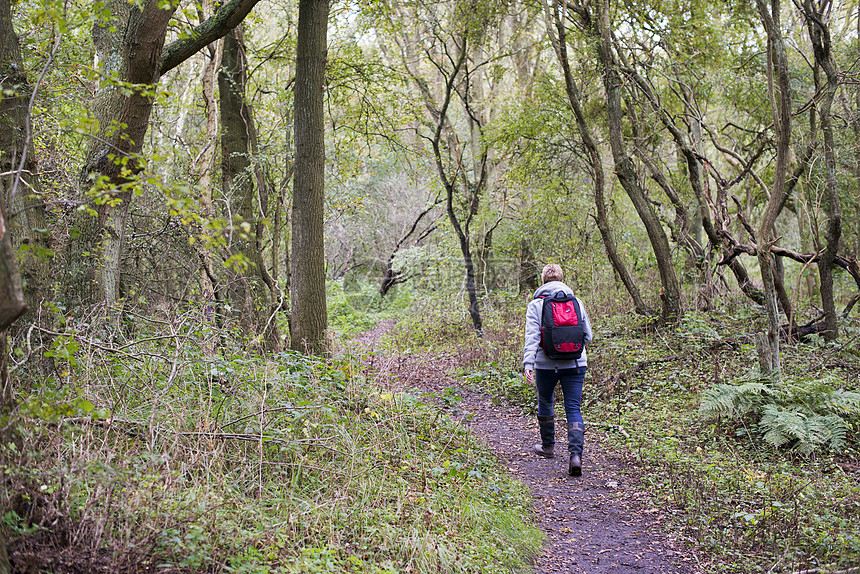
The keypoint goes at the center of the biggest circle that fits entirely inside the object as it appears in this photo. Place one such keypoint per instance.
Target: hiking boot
(544, 451)
(575, 442)
(574, 467)
(546, 447)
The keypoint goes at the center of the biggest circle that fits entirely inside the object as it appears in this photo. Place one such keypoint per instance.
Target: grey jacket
(533, 355)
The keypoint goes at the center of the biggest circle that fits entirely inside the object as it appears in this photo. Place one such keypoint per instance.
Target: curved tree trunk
(819, 34)
(670, 294)
(130, 51)
(11, 307)
(473, 194)
(574, 97)
(468, 261)
(308, 320)
(698, 179)
(779, 88)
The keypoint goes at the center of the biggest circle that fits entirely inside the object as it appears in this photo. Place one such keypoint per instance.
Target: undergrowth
(147, 448)
(162, 452)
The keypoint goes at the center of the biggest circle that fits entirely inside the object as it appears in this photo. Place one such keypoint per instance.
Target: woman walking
(563, 362)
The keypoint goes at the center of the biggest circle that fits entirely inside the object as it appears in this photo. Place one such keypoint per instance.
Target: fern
(733, 401)
(783, 426)
(718, 401)
(839, 430)
(807, 416)
(843, 403)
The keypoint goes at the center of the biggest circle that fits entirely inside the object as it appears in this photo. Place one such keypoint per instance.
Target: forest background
(202, 203)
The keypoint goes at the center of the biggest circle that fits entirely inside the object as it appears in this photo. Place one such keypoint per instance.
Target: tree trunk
(19, 186)
(574, 98)
(13, 118)
(12, 306)
(238, 142)
(450, 183)
(779, 90)
(855, 123)
(308, 318)
(210, 288)
(698, 179)
(12, 303)
(528, 273)
(670, 294)
(391, 278)
(819, 34)
(466, 250)
(131, 48)
(130, 51)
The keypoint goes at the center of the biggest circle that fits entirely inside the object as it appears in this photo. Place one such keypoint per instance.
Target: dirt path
(594, 524)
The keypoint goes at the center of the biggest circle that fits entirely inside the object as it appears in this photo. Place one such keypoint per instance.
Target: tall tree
(210, 287)
(556, 19)
(444, 50)
(670, 293)
(817, 16)
(256, 289)
(19, 185)
(779, 91)
(308, 315)
(458, 183)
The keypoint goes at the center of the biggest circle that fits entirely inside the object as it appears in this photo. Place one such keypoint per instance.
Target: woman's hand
(530, 376)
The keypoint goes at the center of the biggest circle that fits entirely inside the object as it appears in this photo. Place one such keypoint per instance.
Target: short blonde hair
(551, 272)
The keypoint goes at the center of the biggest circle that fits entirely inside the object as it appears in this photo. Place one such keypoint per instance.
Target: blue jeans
(571, 388)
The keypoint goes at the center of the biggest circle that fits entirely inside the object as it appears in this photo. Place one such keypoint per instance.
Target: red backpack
(562, 332)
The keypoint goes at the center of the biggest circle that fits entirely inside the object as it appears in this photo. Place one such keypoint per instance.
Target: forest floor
(598, 523)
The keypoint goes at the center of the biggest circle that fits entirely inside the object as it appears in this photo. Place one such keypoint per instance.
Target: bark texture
(129, 52)
(779, 89)
(308, 320)
(472, 192)
(253, 290)
(132, 50)
(210, 287)
(12, 303)
(19, 187)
